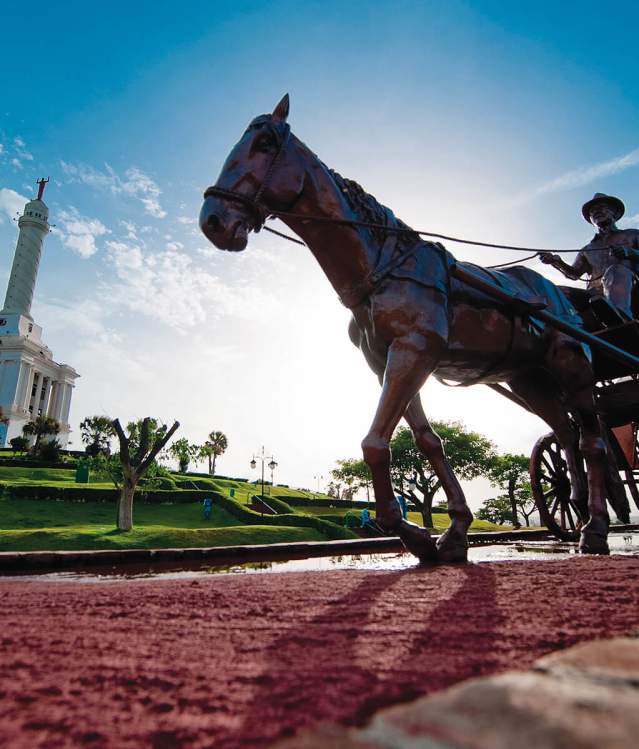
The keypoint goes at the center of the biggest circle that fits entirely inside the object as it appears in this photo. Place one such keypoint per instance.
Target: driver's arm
(574, 271)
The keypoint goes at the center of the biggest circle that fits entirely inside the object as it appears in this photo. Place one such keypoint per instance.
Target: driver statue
(611, 258)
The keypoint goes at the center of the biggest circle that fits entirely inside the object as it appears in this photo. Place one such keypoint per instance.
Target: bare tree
(134, 466)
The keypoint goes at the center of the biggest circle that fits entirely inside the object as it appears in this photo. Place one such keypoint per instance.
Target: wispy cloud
(11, 202)
(630, 222)
(135, 184)
(580, 177)
(79, 233)
(170, 287)
(20, 153)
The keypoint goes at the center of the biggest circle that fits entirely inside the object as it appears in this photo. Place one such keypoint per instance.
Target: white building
(31, 383)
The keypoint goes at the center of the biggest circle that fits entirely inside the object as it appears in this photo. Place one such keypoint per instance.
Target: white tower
(34, 226)
(31, 383)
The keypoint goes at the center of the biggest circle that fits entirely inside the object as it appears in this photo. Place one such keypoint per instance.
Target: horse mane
(367, 208)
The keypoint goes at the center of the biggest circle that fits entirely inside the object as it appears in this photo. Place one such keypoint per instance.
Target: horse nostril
(213, 222)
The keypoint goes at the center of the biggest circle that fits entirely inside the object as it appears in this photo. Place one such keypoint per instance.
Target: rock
(615, 661)
(514, 710)
(585, 697)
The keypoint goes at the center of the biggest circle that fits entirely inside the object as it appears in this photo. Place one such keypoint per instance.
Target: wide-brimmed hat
(617, 206)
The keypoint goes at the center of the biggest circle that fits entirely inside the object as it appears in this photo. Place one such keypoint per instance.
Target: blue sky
(482, 119)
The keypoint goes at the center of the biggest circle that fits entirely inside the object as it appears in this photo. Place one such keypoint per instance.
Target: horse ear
(280, 113)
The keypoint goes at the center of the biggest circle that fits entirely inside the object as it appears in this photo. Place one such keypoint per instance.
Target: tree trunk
(125, 506)
(427, 510)
(213, 471)
(425, 506)
(513, 502)
(210, 466)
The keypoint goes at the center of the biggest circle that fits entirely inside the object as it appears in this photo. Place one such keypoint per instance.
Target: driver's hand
(548, 258)
(621, 253)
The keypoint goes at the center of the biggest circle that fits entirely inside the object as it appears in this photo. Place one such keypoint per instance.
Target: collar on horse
(254, 204)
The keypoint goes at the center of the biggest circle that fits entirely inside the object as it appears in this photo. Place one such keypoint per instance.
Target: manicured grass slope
(46, 524)
(94, 537)
(30, 525)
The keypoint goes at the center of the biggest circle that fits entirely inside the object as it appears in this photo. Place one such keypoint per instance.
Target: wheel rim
(550, 484)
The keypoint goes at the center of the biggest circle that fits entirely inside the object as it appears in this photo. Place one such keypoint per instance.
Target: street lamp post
(271, 464)
(319, 478)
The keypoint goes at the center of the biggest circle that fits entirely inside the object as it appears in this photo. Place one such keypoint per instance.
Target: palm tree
(97, 432)
(39, 428)
(215, 446)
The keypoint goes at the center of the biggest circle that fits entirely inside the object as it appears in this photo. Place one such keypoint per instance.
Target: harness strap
(258, 209)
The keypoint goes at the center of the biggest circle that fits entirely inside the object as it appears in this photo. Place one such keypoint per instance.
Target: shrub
(49, 451)
(352, 519)
(19, 444)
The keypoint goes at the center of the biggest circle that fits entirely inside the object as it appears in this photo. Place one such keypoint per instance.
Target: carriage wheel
(550, 485)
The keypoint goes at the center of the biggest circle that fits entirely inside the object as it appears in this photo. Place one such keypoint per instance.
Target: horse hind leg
(452, 545)
(570, 365)
(543, 398)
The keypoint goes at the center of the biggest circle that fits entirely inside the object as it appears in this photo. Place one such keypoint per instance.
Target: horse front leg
(409, 361)
(452, 545)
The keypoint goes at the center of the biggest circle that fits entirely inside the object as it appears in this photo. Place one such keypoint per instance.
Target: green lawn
(93, 537)
(29, 525)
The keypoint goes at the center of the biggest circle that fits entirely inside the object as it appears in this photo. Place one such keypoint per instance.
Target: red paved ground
(232, 661)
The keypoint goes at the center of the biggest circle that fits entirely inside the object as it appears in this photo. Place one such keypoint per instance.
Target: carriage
(617, 395)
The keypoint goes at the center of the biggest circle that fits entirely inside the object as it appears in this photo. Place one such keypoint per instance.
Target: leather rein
(260, 212)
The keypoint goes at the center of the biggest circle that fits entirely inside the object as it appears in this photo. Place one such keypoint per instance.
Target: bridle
(255, 205)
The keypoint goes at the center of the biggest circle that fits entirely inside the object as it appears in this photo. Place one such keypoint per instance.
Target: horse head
(263, 171)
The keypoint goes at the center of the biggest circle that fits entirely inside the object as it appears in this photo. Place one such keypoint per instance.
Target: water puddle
(627, 544)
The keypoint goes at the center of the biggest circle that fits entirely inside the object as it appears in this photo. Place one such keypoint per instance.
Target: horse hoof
(593, 543)
(418, 541)
(452, 548)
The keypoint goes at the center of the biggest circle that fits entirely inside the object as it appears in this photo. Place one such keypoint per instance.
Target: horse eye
(264, 143)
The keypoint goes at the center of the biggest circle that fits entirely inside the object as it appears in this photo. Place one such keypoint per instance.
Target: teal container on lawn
(82, 473)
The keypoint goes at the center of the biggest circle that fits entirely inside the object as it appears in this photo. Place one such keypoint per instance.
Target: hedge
(280, 507)
(346, 504)
(214, 476)
(249, 517)
(196, 483)
(88, 494)
(27, 463)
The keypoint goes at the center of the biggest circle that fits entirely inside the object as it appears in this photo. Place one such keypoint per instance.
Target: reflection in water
(628, 544)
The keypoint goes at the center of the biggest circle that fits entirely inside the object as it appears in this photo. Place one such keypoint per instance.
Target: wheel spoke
(571, 519)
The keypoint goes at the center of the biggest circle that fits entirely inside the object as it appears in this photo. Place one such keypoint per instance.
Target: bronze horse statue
(411, 320)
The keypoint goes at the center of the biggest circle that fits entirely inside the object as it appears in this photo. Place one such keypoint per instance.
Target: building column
(22, 396)
(30, 385)
(47, 396)
(68, 390)
(52, 399)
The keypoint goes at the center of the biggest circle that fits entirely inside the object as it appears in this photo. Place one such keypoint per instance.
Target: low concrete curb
(20, 561)
(33, 560)
(11, 561)
(585, 697)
